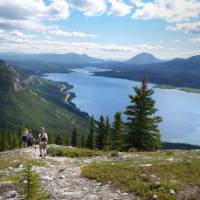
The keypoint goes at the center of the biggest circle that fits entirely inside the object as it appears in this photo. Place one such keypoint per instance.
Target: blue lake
(105, 96)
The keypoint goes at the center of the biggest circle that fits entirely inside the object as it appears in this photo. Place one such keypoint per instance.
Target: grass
(11, 162)
(55, 150)
(161, 175)
(15, 161)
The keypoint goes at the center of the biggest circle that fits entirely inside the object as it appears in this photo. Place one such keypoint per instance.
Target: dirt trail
(62, 179)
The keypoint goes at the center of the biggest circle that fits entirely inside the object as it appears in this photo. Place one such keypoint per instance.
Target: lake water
(105, 96)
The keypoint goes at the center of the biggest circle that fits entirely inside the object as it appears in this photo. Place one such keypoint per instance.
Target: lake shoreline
(85, 85)
(156, 85)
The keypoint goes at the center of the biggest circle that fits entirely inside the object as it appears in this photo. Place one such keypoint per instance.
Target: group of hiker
(28, 140)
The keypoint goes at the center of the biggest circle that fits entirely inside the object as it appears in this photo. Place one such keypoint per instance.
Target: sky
(109, 29)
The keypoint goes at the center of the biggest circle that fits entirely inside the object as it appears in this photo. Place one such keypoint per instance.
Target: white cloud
(119, 8)
(33, 9)
(58, 32)
(29, 15)
(16, 41)
(89, 7)
(137, 3)
(188, 27)
(171, 11)
(195, 40)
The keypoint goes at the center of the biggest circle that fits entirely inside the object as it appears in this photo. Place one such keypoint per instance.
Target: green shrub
(55, 150)
(158, 178)
(31, 185)
(114, 154)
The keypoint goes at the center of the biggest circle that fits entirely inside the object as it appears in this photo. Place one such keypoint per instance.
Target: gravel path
(62, 179)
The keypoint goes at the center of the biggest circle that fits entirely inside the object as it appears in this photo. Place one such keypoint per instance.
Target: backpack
(24, 138)
(43, 139)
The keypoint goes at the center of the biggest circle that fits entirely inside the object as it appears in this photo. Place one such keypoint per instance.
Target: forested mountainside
(34, 102)
(177, 72)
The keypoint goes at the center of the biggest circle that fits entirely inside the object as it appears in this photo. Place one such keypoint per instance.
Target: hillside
(144, 58)
(90, 175)
(34, 102)
(177, 72)
(48, 62)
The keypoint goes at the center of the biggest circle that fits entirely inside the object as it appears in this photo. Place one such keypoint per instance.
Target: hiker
(43, 140)
(24, 138)
(30, 139)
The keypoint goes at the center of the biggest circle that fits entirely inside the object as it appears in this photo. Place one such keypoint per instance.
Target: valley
(104, 96)
(35, 102)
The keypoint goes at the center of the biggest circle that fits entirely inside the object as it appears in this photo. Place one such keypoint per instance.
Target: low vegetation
(157, 175)
(16, 170)
(31, 185)
(55, 150)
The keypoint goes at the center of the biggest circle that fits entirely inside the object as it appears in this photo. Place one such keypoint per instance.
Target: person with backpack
(24, 138)
(43, 141)
(30, 139)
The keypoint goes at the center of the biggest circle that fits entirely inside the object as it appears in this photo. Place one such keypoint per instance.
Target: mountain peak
(144, 58)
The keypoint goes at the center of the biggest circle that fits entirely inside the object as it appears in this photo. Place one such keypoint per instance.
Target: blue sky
(110, 29)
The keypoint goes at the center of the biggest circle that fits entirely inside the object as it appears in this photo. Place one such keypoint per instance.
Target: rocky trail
(62, 180)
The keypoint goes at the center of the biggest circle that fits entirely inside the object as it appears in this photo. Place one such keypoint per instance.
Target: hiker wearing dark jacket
(43, 141)
(24, 137)
(30, 139)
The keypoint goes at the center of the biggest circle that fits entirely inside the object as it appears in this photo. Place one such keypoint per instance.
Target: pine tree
(143, 131)
(4, 144)
(100, 133)
(90, 139)
(67, 140)
(83, 139)
(74, 138)
(59, 139)
(9, 140)
(51, 138)
(15, 140)
(31, 186)
(107, 135)
(117, 132)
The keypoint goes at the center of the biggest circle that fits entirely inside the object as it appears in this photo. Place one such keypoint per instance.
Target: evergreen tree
(15, 141)
(10, 137)
(117, 132)
(74, 138)
(59, 139)
(107, 135)
(51, 138)
(4, 143)
(67, 140)
(90, 139)
(100, 133)
(143, 131)
(83, 139)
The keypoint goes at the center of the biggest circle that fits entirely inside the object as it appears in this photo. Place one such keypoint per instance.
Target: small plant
(114, 154)
(73, 152)
(31, 185)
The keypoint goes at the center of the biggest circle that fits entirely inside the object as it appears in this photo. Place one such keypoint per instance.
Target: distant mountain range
(51, 57)
(34, 102)
(144, 58)
(177, 72)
